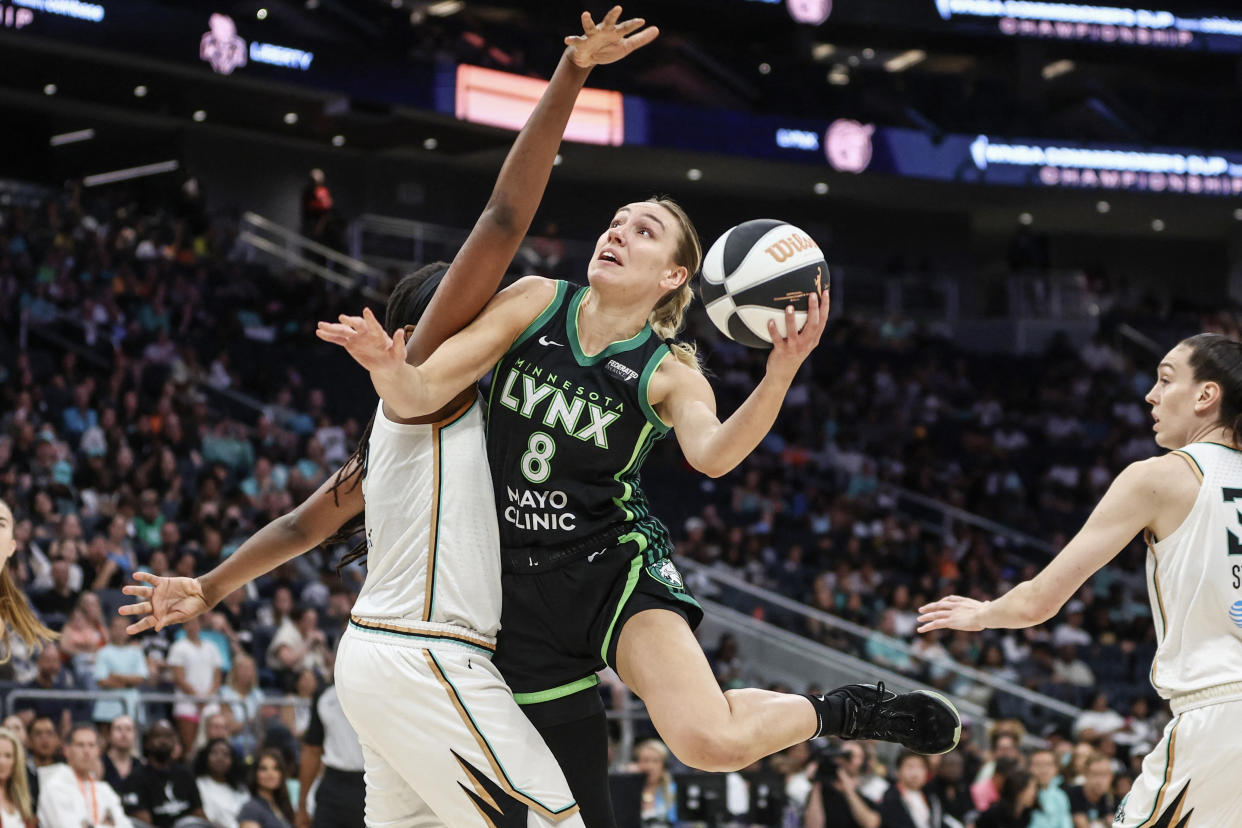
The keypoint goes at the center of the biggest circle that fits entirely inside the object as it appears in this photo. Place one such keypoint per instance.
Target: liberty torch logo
(847, 143)
(221, 47)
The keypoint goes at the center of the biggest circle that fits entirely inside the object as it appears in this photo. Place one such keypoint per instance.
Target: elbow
(712, 469)
(503, 218)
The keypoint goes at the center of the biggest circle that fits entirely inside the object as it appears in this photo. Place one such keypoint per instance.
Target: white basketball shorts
(1190, 779)
(443, 740)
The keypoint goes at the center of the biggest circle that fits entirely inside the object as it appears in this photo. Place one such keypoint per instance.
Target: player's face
(1172, 399)
(637, 249)
(8, 545)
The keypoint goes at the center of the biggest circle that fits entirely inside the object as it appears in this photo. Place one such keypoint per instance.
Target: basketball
(753, 272)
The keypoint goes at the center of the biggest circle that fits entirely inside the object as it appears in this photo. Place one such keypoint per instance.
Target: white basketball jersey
(1194, 581)
(433, 547)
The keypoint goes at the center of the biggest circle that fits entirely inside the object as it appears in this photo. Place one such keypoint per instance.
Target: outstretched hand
(952, 613)
(165, 601)
(608, 41)
(791, 350)
(365, 340)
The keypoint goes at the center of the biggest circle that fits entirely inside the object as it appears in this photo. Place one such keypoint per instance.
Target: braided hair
(406, 305)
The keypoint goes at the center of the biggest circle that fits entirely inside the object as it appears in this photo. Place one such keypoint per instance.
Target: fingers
(610, 19)
(631, 25)
(588, 23)
(398, 341)
(146, 578)
(137, 591)
(141, 626)
(139, 608)
(641, 39)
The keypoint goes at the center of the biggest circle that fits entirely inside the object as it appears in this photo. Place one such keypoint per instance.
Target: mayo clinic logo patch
(666, 573)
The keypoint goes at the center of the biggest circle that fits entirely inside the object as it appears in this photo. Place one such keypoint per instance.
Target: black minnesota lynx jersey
(567, 433)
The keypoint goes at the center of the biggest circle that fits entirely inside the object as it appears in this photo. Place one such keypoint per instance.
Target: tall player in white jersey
(444, 742)
(1186, 503)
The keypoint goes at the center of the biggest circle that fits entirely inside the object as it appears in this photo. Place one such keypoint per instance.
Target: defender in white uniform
(1187, 504)
(443, 740)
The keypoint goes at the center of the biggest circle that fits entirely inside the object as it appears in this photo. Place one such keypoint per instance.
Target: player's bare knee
(710, 750)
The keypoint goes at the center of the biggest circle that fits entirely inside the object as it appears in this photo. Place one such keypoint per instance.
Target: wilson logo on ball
(785, 248)
(753, 272)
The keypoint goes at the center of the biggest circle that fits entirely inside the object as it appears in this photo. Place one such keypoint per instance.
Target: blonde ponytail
(669, 315)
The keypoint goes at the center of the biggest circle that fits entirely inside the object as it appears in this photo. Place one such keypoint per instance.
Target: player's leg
(1182, 775)
(390, 801)
(575, 729)
(464, 747)
(659, 658)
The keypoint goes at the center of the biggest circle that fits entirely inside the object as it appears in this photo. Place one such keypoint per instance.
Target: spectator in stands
(241, 699)
(163, 790)
(884, 650)
(318, 211)
(219, 772)
(986, 791)
(119, 760)
(907, 804)
(196, 669)
(835, 801)
(71, 797)
(16, 803)
(1053, 807)
(298, 645)
(45, 750)
(1068, 668)
(122, 667)
(949, 785)
(659, 797)
(52, 676)
(1092, 803)
(56, 602)
(269, 805)
(1098, 720)
(1013, 809)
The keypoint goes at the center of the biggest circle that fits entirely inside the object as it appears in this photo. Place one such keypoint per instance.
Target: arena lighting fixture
(1157, 225)
(445, 8)
(261, 14)
(49, 89)
(71, 137)
(1237, 214)
(868, 53)
(694, 174)
(823, 51)
(905, 60)
(765, 68)
(1058, 68)
(853, 60)
(430, 143)
(199, 115)
(558, 160)
(839, 76)
(821, 188)
(312, 4)
(291, 118)
(140, 91)
(1103, 206)
(338, 140)
(1026, 219)
(129, 172)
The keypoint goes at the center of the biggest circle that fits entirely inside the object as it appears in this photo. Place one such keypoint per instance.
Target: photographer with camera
(835, 801)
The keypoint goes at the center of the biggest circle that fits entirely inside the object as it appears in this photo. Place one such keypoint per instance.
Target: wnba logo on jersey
(1235, 613)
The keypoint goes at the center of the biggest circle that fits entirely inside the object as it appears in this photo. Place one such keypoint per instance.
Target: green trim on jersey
(557, 692)
(575, 345)
(641, 447)
(631, 581)
(544, 315)
(644, 382)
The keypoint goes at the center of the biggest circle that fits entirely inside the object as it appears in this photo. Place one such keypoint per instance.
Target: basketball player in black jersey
(586, 379)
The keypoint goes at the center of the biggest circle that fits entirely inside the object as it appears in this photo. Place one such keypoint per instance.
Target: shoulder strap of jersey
(644, 385)
(562, 289)
(1197, 457)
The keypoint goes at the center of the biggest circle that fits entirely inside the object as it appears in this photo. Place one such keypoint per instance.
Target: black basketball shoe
(921, 721)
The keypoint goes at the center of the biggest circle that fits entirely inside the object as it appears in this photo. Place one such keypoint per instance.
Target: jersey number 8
(536, 465)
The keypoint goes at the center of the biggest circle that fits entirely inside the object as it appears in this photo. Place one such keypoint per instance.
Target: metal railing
(972, 689)
(126, 698)
(280, 243)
